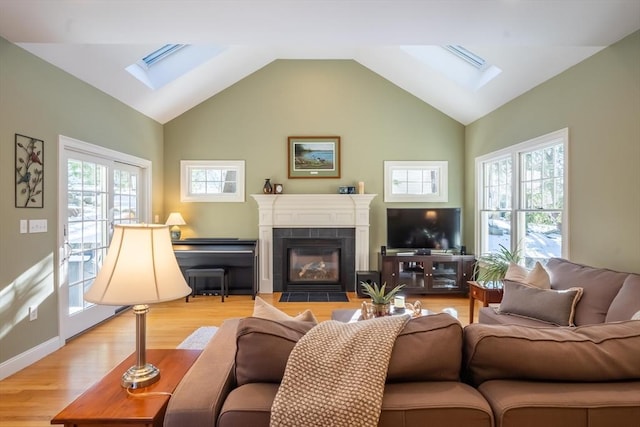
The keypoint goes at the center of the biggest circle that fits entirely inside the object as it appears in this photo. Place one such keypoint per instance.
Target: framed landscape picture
(314, 156)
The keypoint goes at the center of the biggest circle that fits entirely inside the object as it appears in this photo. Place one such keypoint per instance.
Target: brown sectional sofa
(440, 374)
(607, 296)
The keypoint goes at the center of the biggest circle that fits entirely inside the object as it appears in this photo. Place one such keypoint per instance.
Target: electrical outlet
(38, 226)
(33, 312)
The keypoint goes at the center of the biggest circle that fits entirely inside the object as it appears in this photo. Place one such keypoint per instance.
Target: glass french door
(98, 193)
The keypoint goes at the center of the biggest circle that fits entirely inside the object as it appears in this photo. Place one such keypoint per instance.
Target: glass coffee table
(348, 315)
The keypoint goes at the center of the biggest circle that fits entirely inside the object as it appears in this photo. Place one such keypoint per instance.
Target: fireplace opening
(313, 265)
(327, 256)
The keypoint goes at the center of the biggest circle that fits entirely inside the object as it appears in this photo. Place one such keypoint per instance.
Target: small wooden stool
(219, 273)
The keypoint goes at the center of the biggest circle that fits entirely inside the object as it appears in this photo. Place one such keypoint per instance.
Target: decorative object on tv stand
(140, 269)
(29, 167)
(175, 220)
(380, 298)
(267, 188)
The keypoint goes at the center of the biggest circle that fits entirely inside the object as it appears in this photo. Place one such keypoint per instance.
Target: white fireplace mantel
(310, 211)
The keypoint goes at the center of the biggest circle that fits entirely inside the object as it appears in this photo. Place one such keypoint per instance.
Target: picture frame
(29, 167)
(313, 156)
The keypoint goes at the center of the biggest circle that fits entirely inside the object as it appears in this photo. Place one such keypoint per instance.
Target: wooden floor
(31, 397)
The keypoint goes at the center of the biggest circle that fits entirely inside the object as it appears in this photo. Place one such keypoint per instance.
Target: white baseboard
(29, 357)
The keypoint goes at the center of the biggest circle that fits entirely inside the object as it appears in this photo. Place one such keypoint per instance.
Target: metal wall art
(29, 172)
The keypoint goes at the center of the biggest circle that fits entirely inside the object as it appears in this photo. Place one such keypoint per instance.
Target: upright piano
(238, 256)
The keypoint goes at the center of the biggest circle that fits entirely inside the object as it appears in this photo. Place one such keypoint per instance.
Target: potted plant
(493, 266)
(380, 298)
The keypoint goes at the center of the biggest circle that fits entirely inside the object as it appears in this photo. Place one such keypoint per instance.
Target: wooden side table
(481, 292)
(106, 403)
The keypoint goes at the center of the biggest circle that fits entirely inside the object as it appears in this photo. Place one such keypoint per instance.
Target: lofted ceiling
(529, 40)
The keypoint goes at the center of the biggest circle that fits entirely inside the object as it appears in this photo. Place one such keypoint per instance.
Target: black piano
(238, 256)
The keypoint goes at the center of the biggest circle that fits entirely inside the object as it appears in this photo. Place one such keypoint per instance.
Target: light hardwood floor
(31, 397)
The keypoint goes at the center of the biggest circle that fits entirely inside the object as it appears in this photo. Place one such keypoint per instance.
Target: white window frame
(517, 208)
(186, 168)
(440, 167)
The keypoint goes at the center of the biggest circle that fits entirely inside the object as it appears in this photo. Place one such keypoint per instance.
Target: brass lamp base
(140, 376)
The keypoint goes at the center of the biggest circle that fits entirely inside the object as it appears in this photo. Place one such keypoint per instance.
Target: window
(212, 181)
(521, 199)
(415, 181)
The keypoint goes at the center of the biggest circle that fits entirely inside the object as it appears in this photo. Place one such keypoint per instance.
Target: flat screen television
(424, 228)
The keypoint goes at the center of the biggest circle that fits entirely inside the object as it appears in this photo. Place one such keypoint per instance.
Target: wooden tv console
(427, 274)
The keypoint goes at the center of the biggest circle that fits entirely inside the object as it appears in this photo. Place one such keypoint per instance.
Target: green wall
(251, 121)
(599, 101)
(41, 101)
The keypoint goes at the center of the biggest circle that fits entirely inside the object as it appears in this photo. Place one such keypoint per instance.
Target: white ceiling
(530, 40)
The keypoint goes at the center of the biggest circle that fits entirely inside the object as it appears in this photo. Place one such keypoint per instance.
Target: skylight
(166, 64)
(457, 63)
(160, 54)
(467, 55)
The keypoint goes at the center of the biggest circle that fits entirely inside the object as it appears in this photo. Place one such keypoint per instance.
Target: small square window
(415, 181)
(212, 181)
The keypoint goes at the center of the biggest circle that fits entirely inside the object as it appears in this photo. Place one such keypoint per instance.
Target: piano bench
(219, 273)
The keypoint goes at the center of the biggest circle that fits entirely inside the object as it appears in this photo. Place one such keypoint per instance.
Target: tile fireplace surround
(310, 211)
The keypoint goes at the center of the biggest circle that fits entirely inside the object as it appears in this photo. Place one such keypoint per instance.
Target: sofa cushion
(604, 352)
(443, 403)
(600, 287)
(535, 403)
(547, 305)
(627, 301)
(266, 311)
(263, 348)
(427, 349)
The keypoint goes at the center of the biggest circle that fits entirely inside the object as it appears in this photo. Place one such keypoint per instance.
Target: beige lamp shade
(175, 219)
(140, 268)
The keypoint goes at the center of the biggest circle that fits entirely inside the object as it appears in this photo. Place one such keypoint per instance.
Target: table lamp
(140, 268)
(175, 219)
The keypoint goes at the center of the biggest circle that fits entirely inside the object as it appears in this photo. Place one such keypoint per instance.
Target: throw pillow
(547, 305)
(516, 272)
(538, 277)
(263, 347)
(264, 310)
(636, 316)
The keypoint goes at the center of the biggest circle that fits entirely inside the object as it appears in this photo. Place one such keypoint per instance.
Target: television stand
(427, 274)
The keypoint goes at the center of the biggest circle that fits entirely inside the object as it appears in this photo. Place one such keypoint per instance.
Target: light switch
(37, 226)
(24, 226)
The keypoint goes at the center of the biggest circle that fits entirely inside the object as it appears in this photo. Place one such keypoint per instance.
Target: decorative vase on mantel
(267, 188)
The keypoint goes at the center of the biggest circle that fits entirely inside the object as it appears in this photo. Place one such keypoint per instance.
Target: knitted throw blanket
(336, 373)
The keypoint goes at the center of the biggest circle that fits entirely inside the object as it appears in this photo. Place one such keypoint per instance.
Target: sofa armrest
(199, 397)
